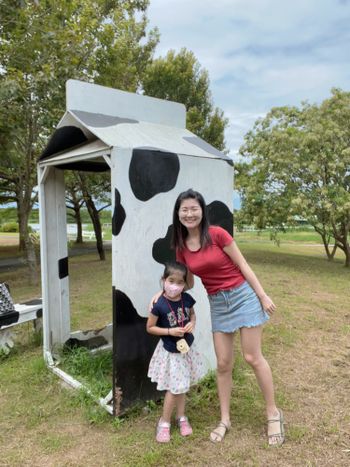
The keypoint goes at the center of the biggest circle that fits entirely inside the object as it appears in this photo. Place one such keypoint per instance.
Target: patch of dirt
(8, 240)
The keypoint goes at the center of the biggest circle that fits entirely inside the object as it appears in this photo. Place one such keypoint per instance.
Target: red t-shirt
(212, 264)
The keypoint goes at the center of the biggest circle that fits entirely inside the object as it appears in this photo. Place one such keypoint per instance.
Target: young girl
(175, 364)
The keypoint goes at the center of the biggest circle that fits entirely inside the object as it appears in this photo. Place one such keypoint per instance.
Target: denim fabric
(236, 308)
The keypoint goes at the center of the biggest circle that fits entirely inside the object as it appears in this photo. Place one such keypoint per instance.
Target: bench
(23, 312)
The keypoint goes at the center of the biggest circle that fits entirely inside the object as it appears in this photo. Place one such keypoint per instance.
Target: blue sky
(260, 53)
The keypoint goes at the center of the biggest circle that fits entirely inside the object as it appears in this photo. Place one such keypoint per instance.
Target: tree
(42, 44)
(180, 78)
(74, 202)
(299, 164)
(95, 190)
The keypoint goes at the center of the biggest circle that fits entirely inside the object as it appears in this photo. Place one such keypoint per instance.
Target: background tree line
(296, 162)
(45, 43)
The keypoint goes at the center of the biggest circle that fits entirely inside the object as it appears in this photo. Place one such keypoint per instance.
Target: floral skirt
(176, 372)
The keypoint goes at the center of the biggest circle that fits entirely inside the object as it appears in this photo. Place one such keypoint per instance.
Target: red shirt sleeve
(222, 237)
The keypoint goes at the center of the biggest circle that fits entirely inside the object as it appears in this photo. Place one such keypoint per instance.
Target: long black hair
(180, 232)
(172, 266)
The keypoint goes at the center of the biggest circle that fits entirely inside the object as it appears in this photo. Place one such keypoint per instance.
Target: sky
(260, 53)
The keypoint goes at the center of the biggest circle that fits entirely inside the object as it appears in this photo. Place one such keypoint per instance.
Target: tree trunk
(32, 261)
(347, 255)
(21, 233)
(95, 218)
(75, 203)
(341, 237)
(76, 208)
(79, 238)
(28, 247)
(330, 254)
(97, 226)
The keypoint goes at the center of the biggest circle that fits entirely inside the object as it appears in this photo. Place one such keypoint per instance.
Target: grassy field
(291, 235)
(307, 343)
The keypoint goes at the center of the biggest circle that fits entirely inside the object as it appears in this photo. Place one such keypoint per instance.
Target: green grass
(94, 370)
(291, 235)
(305, 343)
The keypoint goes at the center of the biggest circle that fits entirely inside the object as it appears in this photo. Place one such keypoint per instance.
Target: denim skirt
(236, 308)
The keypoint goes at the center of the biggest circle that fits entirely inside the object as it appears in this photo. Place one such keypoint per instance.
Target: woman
(237, 302)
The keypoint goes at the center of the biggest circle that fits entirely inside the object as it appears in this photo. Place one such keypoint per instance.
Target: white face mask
(173, 290)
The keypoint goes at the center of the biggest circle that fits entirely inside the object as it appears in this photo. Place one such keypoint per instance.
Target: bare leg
(251, 347)
(168, 406)
(223, 343)
(180, 405)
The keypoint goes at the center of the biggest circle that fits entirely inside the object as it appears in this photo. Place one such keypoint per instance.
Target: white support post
(54, 258)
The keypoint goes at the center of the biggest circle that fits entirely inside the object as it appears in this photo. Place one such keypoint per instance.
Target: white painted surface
(136, 273)
(100, 99)
(53, 244)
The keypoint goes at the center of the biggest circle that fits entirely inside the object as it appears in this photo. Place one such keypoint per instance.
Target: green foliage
(180, 78)
(43, 44)
(8, 215)
(298, 165)
(95, 370)
(9, 227)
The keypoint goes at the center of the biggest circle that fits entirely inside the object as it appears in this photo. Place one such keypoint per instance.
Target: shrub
(9, 227)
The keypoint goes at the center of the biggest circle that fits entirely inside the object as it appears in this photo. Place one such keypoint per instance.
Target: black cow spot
(152, 172)
(118, 214)
(63, 267)
(64, 138)
(91, 343)
(161, 250)
(132, 350)
(219, 214)
(126, 313)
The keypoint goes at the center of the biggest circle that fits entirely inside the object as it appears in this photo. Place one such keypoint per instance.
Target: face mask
(173, 290)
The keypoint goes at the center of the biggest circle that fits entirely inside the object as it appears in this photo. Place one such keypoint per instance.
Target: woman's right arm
(189, 280)
(154, 300)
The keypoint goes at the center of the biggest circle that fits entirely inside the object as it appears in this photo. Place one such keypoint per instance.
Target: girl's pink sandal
(163, 432)
(185, 427)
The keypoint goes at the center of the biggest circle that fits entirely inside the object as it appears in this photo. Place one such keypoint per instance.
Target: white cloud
(260, 53)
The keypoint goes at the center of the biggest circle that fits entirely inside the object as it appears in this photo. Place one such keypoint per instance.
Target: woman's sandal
(279, 437)
(216, 436)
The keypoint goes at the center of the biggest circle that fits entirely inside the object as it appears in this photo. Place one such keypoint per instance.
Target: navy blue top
(166, 319)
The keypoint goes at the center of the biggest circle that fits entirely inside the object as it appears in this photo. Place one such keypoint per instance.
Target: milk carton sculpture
(151, 157)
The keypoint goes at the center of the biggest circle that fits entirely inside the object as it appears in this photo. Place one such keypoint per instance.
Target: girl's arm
(191, 325)
(152, 328)
(237, 258)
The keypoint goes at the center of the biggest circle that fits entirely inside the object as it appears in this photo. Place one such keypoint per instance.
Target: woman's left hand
(267, 304)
